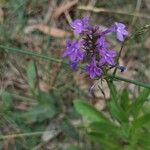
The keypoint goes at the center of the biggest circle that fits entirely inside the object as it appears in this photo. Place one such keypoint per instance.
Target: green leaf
(107, 142)
(103, 128)
(138, 123)
(73, 148)
(146, 107)
(69, 129)
(117, 112)
(114, 107)
(46, 108)
(39, 113)
(7, 99)
(46, 98)
(138, 103)
(88, 112)
(31, 75)
(113, 91)
(144, 140)
(124, 100)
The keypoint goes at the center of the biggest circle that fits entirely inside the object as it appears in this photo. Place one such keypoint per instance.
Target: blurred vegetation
(36, 95)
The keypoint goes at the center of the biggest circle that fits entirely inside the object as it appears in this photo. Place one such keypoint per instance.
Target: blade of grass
(31, 53)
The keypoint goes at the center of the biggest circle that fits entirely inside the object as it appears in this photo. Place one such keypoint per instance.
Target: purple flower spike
(121, 31)
(107, 56)
(93, 70)
(73, 50)
(79, 25)
(92, 47)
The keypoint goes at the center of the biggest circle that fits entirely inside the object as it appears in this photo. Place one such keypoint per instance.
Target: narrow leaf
(124, 100)
(89, 112)
(31, 74)
(117, 112)
(103, 128)
(141, 121)
(107, 142)
(139, 101)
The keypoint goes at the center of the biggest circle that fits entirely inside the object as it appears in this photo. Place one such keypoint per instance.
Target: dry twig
(64, 7)
(98, 10)
(55, 32)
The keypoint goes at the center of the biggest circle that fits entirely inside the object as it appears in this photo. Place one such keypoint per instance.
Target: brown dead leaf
(65, 6)
(55, 32)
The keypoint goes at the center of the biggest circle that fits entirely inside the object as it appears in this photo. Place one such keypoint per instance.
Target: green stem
(112, 89)
(34, 54)
(130, 81)
(119, 55)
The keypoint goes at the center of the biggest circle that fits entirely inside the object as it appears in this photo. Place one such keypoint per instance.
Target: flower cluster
(92, 47)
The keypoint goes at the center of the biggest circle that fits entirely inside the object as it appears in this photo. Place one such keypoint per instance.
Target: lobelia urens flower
(92, 48)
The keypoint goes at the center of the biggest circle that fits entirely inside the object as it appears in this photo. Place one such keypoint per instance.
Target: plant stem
(112, 89)
(130, 81)
(31, 53)
(34, 54)
(119, 55)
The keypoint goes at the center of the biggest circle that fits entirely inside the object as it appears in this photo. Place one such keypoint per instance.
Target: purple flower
(121, 31)
(92, 47)
(73, 50)
(79, 25)
(107, 56)
(73, 65)
(67, 51)
(93, 70)
(101, 42)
